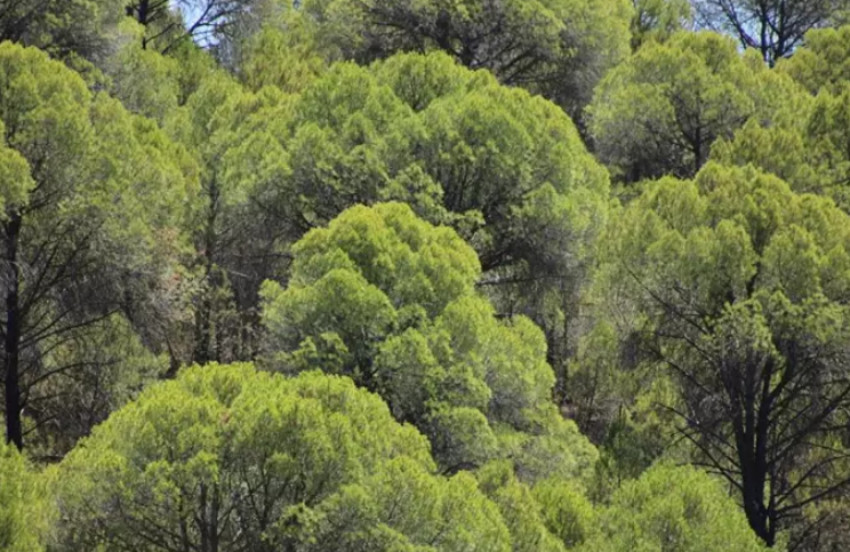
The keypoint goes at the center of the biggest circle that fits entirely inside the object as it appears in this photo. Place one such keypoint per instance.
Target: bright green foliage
(521, 513)
(390, 300)
(342, 144)
(15, 179)
(739, 287)
(567, 513)
(419, 80)
(145, 81)
(659, 112)
(229, 458)
(823, 63)
(806, 142)
(87, 224)
(518, 164)
(402, 507)
(24, 513)
(673, 508)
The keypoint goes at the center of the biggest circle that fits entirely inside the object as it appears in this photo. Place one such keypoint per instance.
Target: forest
(425, 275)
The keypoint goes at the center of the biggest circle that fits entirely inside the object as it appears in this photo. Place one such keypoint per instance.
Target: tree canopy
(694, 515)
(526, 275)
(90, 193)
(738, 287)
(773, 27)
(226, 458)
(389, 300)
(659, 112)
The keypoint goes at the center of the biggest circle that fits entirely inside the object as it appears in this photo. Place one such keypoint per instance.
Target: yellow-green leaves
(736, 286)
(672, 508)
(657, 20)
(390, 300)
(15, 179)
(259, 460)
(558, 48)
(823, 63)
(25, 515)
(94, 196)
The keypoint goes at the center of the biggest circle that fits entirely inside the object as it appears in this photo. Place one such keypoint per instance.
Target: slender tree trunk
(12, 341)
(203, 317)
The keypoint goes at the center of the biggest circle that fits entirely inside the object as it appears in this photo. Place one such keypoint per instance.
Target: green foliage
(559, 48)
(519, 509)
(672, 508)
(145, 81)
(389, 300)
(284, 57)
(736, 283)
(823, 63)
(659, 112)
(97, 193)
(225, 130)
(250, 460)
(658, 20)
(566, 512)
(77, 31)
(805, 140)
(24, 514)
(507, 170)
(117, 365)
(806, 144)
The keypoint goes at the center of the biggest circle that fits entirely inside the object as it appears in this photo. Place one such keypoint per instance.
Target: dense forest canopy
(425, 275)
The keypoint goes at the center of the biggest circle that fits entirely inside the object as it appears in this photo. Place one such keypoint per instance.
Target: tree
(558, 48)
(673, 508)
(237, 235)
(525, 518)
(773, 27)
(823, 62)
(389, 300)
(225, 458)
(89, 195)
(567, 513)
(738, 287)
(659, 112)
(805, 140)
(507, 170)
(66, 29)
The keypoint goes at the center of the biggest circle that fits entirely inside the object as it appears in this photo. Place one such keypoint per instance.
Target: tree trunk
(203, 317)
(12, 341)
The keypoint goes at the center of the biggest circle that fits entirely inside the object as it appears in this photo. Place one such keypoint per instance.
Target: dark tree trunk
(204, 316)
(12, 339)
